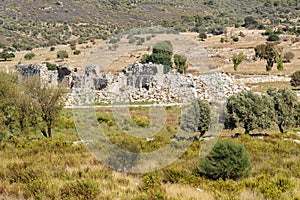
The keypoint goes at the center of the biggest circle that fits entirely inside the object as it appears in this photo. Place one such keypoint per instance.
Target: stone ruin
(136, 83)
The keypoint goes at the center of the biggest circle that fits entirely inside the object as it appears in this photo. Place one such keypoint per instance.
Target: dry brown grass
(187, 192)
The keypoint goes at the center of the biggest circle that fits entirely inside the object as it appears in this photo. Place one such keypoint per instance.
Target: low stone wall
(243, 79)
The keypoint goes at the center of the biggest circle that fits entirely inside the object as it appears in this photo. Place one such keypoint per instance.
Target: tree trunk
(280, 126)
(49, 132)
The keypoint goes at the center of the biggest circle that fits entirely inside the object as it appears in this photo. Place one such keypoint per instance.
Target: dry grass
(187, 192)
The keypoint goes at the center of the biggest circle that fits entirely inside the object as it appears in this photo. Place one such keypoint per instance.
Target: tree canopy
(196, 117)
(285, 105)
(249, 110)
(269, 52)
(227, 160)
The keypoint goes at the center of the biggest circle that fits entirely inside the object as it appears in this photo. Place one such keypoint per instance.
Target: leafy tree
(161, 54)
(29, 56)
(237, 60)
(285, 105)
(196, 117)
(62, 54)
(227, 160)
(8, 94)
(164, 48)
(269, 52)
(5, 55)
(47, 100)
(295, 81)
(249, 110)
(180, 63)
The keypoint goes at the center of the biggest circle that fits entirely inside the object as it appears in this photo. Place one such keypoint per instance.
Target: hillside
(27, 24)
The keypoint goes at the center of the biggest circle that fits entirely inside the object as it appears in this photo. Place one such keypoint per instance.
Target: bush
(273, 37)
(227, 160)
(82, 189)
(77, 52)
(202, 36)
(295, 81)
(50, 66)
(52, 48)
(62, 54)
(29, 56)
(235, 39)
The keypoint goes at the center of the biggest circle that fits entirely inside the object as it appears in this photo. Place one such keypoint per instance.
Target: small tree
(196, 118)
(180, 63)
(227, 160)
(249, 110)
(237, 60)
(285, 105)
(5, 55)
(295, 80)
(29, 56)
(47, 100)
(269, 52)
(62, 54)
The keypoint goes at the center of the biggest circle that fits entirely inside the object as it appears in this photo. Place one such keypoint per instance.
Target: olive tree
(285, 105)
(269, 52)
(180, 63)
(250, 111)
(47, 102)
(196, 117)
(237, 60)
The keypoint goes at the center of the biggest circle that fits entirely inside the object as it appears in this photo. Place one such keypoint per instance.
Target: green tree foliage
(29, 56)
(196, 117)
(237, 60)
(8, 95)
(180, 63)
(227, 160)
(62, 54)
(164, 48)
(47, 100)
(249, 110)
(5, 55)
(161, 54)
(295, 81)
(285, 104)
(269, 52)
(50, 66)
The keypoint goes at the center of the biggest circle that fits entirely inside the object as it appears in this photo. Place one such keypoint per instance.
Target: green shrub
(227, 160)
(80, 189)
(50, 66)
(295, 81)
(29, 56)
(140, 121)
(77, 52)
